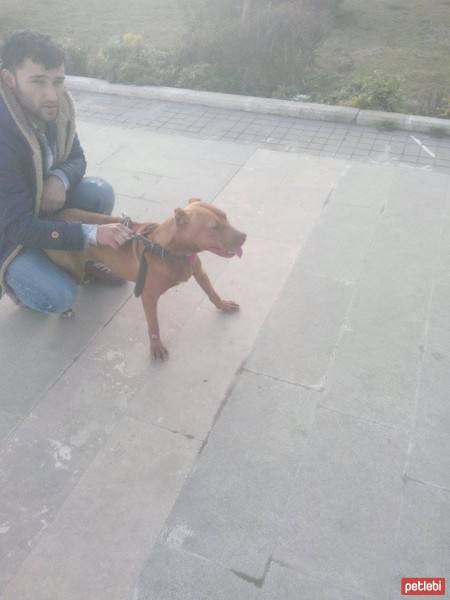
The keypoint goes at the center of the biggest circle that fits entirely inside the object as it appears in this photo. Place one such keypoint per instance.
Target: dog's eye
(215, 225)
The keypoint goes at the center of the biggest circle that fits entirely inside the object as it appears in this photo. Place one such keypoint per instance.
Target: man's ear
(181, 217)
(192, 200)
(8, 78)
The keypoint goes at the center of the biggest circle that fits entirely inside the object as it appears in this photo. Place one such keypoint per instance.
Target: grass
(405, 38)
(95, 22)
(409, 39)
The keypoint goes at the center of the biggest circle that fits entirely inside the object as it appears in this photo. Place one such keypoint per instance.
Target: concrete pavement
(298, 449)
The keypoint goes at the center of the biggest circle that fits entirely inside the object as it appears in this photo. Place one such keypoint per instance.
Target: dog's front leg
(227, 306)
(150, 299)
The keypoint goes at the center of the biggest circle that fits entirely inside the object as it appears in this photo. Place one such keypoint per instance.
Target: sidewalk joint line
(312, 387)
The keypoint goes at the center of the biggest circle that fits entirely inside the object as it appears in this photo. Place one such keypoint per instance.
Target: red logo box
(423, 586)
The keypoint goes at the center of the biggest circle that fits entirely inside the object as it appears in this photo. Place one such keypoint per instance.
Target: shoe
(102, 274)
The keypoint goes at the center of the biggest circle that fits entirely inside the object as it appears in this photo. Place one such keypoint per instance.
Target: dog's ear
(192, 200)
(181, 216)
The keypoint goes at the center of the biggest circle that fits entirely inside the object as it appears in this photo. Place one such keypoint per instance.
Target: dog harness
(152, 248)
(156, 250)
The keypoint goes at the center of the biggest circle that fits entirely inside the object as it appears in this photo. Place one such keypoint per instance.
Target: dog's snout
(242, 238)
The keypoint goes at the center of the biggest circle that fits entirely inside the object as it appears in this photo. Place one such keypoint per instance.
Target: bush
(77, 59)
(444, 109)
(290, 92)
(439, 106)
(197, 77)
(375, 92)
(256, 46)
(129, 60)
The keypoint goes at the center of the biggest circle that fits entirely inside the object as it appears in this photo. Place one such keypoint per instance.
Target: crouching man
(42, 167)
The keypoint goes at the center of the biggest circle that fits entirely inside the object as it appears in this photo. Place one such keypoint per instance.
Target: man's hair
(40, 48)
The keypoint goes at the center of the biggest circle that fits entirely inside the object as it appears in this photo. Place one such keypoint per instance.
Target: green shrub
(129, 59)
(375, 92)
(444, 109)
(286, 92)
(198, 76)
(77, 58)
(256, 47)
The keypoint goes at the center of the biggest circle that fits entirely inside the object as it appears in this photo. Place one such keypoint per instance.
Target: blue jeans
(33, 278)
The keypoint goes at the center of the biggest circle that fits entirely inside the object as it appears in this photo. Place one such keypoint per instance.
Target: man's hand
(53, 194)
(113, 235)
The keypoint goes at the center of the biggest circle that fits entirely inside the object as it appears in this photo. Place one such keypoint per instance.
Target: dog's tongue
(239, 252)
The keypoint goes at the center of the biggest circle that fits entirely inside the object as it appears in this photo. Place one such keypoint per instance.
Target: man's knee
(106, 196)
(93, 194)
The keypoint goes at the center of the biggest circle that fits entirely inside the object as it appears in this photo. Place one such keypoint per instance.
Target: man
(42, 167)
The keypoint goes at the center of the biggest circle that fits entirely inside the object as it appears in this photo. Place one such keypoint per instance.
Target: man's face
(37, 89)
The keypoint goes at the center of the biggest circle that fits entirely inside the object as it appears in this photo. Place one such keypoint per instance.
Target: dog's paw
(158, 350)
(228, 306)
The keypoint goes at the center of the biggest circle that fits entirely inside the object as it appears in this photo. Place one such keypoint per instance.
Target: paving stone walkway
(318, 138)
(298, 450)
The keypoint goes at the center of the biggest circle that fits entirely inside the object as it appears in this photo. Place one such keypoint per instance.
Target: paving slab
(132, 183)
(229, 510)
(7, 423)
(39, 468)
(98, 543)
(37, 339)
(339, 242)
(375, 370)
(98, 142)
(138, 209)
(283, 583)
(260, 409)
(374, 377)
(424, 530)
(443, 270)
(159, 167)
(341, 515)
(196, 579)
(364, 185)
(440, 305)
(174, 156)
(18, 394)
(430, 446)
(280, 198)
(304, 327)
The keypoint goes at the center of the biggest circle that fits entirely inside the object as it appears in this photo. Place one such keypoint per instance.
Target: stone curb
(288, 108)
(390, 120)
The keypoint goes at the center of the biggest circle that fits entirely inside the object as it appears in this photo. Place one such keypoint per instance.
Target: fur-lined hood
(65, 123)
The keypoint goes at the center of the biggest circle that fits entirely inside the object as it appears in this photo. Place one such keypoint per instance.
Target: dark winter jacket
(22, 179)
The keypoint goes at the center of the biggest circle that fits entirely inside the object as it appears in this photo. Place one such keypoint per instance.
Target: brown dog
(198, 227)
